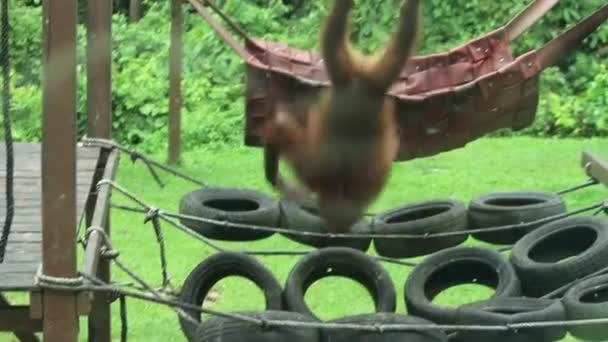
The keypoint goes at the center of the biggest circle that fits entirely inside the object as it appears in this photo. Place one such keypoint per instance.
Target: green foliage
(573, 97)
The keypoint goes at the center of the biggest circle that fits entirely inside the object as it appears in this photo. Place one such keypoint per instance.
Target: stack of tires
(509, 304)
(412, 230)
(218, 205)
(557, 269)
(286, 303)
(207, 210)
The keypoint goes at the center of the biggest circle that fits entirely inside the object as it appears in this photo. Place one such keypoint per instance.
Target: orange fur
(344, 152)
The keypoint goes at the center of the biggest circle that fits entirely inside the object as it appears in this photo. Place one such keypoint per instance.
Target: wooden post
(21, 335)
(99, 68)
(175, 75)
(60, 323)
(99, 125)
(134, 10)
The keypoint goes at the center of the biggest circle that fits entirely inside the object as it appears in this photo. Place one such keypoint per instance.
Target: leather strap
(528, 17)
(227, 19)
(220, 30)
(568, 40)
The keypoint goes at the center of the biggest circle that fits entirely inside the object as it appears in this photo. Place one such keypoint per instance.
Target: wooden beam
(98, 215)
(100, 218)
(99, 97)
(60, 322)
(36, 304)
(22, 335)
(17, 318)
(596, 167)
(175, 76)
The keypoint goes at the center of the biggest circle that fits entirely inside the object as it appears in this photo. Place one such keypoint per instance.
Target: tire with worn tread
(222, 329)
(507, 208)
(241, 206)
(509, 310)
(305, 218)
(421, 218)
(560, 252)
(347, 335)
(452, 267)
(588, 300)
(219, 266)
(339, 261)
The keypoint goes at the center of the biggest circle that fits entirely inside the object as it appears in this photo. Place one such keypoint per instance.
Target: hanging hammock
(445, 100)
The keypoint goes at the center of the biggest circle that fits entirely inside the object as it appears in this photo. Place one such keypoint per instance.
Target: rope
(152, 215)
(160, 214)
(8, 136)
(259, 253)
(43, 279)
(76, 284)
(389, 236)
(588, 183)
(113, 256)
(561, 290)
(227, 224)
(603, 209)
(135, 155)
(168, 218)
(221, 30)
(379, 328)
(233, 25)
(124, 328)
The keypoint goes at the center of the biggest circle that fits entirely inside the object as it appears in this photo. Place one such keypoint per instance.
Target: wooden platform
(24, 250)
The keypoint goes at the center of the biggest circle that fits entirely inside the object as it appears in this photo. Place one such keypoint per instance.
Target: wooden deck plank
(24, 249)
(18, 281)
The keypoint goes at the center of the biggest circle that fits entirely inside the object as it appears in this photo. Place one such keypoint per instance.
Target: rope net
(154, 215)
(87, 282)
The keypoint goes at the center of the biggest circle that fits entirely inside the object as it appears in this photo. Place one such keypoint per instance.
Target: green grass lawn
(485, 165)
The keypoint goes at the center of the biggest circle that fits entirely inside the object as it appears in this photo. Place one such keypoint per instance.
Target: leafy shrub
(573, 97)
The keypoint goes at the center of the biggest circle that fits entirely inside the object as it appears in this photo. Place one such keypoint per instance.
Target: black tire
(508, 208)
(588, 300)
(305, 218)
(420, 218)
(219, 266)
(539, 256)
(234, 205)
(222, 329)
(339, 261)
(452, 267)
(509, 310)
(348, 335)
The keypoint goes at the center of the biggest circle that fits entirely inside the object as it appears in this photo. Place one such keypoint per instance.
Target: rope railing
(152, 216)
(171, 219)
(184, 228)
(112, 254)
(590, 182)
(135, 155)
(379, 328)
(155, 215)
(96, 285)
(148, 293)
(602, 206)
(562, 289)
(161, 215)
(106, 143)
